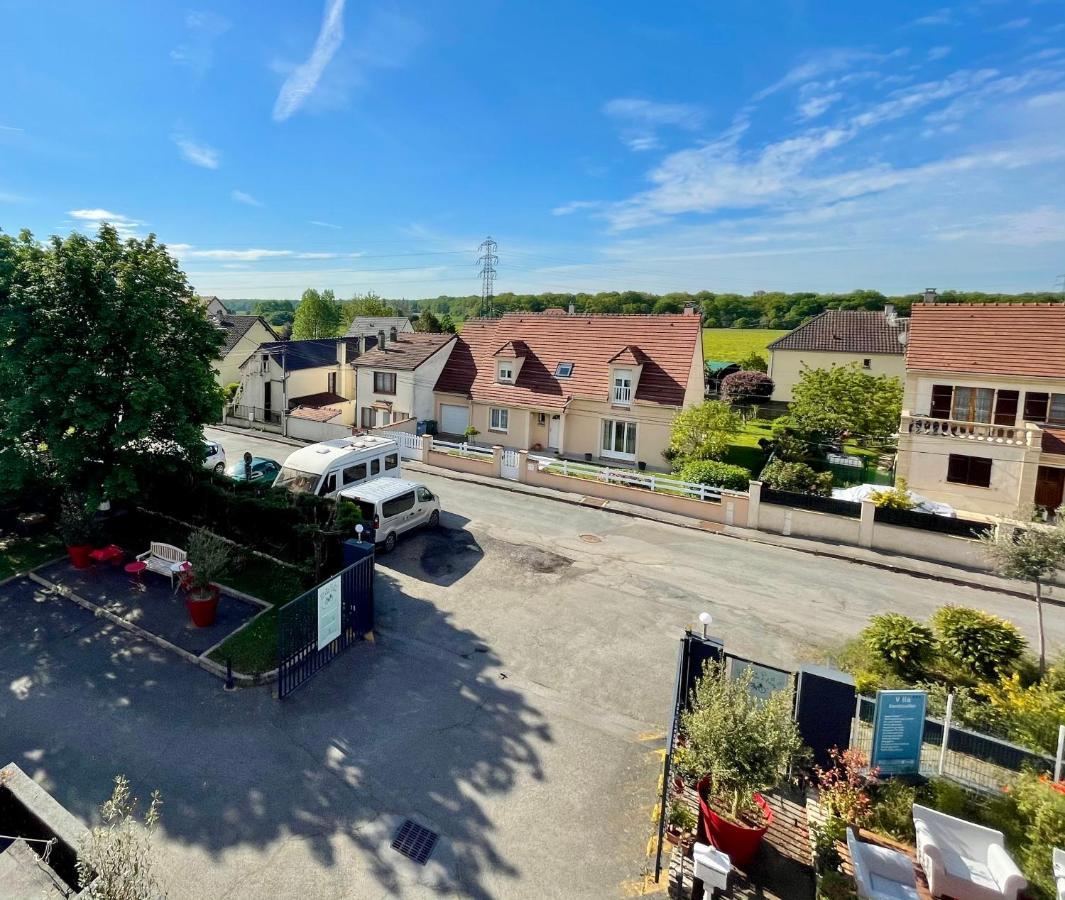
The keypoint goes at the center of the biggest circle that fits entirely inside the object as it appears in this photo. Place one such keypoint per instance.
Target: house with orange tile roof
(983, 422)
(602, 387)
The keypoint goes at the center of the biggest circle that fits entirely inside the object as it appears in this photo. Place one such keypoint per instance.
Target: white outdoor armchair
(964, 860)
(1059, 872)
(881, 874)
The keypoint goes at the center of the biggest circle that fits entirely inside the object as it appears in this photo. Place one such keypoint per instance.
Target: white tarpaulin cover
(860, 492)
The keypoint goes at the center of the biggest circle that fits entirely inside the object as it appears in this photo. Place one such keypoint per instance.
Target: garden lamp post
(358, 533)
(706, 619)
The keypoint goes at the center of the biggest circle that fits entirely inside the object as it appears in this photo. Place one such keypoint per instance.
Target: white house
(372, 326)
(395, 380)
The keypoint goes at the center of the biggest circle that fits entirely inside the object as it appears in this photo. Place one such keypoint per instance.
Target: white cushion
(885, 887)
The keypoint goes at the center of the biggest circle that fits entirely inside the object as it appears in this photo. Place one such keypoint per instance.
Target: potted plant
(681, 824)
(470, 433)
(208, 556)
(76, 528)
(742, 745)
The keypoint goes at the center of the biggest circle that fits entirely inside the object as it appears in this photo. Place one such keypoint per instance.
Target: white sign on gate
(328, 612)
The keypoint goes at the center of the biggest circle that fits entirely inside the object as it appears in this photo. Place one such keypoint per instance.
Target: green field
(732, 344)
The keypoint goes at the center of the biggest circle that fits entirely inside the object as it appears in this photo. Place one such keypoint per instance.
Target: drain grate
(414, 841)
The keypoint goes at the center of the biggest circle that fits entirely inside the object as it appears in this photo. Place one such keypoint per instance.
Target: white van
(330, 466)
(392, 506)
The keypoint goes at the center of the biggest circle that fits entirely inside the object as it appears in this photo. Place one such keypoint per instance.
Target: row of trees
(321, 315)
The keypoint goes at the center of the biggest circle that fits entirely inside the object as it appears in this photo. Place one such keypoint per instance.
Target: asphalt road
(514, 702)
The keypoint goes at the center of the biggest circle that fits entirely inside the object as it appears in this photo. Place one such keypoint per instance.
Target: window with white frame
(506, 372)
(498, 419)
(622, 393)
(619, 439)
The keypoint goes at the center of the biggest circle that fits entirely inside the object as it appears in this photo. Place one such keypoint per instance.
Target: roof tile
(846, 331)
(406, 353)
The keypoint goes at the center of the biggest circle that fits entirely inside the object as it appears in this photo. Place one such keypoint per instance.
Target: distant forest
(770, 309)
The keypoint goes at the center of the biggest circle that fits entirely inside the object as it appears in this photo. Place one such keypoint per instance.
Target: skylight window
(564, 370)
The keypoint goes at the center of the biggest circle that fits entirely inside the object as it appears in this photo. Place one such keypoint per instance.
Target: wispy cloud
(573, 206)
(1015, 24)
(815, 106)
(241, 255)
(1030, 228)
(12, 129)
(302, 81)
(196, 153)
(942, 16)
(640, 120)
(821, 63)
(245, 198)
(92, 219)
(196, 52)
(321, 224)
(938, 53)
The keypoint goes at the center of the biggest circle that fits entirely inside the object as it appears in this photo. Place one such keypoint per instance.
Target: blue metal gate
(302, 649)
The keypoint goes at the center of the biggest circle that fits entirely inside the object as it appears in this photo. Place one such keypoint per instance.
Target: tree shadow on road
(384, 732)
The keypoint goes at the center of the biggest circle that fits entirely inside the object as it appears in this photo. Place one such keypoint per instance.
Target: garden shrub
(984, 644)
(836, 886)
(796, 477)
(718, 474)
(903, 644)
(1028, 715)
(844, 787)
(892, 812)
(748, 388)
(1041, 815)
(897, 497)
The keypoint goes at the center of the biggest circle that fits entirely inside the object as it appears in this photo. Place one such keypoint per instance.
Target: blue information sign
(898, 730)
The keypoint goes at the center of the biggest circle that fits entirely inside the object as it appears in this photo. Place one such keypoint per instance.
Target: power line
(488, 261)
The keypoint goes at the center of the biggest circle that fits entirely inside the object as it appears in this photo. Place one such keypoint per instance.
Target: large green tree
(846, 399)
(317, 316)
(704, 431)
(105, 359)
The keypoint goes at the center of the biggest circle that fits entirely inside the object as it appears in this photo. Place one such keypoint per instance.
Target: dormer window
(506, 372)
(564, 370)
(622, 389)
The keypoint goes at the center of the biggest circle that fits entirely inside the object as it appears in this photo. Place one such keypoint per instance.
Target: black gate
(302, 646)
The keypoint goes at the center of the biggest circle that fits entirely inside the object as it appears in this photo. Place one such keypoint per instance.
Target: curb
(207, 665)
(727, 531)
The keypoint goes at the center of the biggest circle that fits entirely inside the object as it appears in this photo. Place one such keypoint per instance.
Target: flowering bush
(844, 786)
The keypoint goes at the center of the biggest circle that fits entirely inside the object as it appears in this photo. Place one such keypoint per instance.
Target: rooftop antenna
(488, 260)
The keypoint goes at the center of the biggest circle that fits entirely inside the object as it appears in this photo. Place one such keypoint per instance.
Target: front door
(553, 432)
(1049, 487)
(267, 399)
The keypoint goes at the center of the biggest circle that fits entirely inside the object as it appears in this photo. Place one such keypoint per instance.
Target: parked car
(393, 506)
(330, 466)
(263, 470)
(216, 456)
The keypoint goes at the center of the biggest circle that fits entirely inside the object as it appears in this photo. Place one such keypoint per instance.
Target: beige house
(289, 376)
(983, 422)
(395, 381)
(872, 340)
(605, 387)
(242, 335)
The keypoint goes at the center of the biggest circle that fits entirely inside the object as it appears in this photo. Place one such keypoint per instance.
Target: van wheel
(390, 542)
(434, 518)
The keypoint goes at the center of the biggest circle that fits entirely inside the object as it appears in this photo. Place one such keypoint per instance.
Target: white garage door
(454, 419)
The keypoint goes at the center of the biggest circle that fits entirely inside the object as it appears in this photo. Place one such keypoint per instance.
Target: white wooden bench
(166, 559)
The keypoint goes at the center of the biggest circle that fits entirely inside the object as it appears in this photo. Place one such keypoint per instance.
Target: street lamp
(706, 619)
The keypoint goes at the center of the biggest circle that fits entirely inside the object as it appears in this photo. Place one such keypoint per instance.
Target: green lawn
(732, 344)
(23, 554)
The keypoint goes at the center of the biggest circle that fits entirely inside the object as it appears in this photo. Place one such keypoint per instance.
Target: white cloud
(815, 106)
(317, 255)
(12, 129)
(196, 52)
(302, 81)
(245, 198)
(822, 63)
(1041, 101)
(1014, 24)
(573, 206)
(938, 53)
(1043, 225)
(92, 219)
(640, 119)
(197, 154)
(940, 17)
(241, 255)
(324, 224)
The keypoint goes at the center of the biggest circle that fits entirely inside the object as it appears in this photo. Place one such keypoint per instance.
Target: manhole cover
(414, 841)
(591, 539)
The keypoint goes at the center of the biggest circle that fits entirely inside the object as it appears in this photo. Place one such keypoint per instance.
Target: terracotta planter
(79, 555)
(740, 842)
(202, 607)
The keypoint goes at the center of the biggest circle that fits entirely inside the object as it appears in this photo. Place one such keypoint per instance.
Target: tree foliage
(746, 388)
(105, 356)
(754, 362)
(796, 477)
(317, 316)
(368, 304)
(716, 474)
(704, 431)
(428, 323)
(846, 399)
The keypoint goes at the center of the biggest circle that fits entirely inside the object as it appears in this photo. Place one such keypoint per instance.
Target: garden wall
(808, 524)
(309, 430)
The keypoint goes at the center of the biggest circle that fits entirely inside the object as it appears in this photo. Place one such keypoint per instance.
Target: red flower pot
(202, 608)
(79, 555)
(740, 842)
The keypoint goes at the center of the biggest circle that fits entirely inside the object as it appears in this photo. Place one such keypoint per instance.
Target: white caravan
(331, 466)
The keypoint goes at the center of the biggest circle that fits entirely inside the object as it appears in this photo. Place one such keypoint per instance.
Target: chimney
(393, 334)
(689, 309)
(890, 316)
(573, 309)
(342, 352)
(930, 295)
(381, 339)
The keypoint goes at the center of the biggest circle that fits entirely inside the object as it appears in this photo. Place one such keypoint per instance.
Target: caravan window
(352, 474)
(329, 486)
(296, 481)
(375, 466)
(391, 461)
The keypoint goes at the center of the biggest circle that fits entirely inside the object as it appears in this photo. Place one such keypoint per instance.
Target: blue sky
(625, 145)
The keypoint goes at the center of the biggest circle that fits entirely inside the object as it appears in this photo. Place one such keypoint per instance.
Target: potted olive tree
(208, 556)
(742, 745)
(76, 527)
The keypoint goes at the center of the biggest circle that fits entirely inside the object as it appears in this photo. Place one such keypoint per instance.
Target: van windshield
(296, 481)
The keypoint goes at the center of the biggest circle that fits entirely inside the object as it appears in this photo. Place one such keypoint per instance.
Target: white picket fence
(410, 445)
(647, 480)
(464, 449)
(508, 466)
